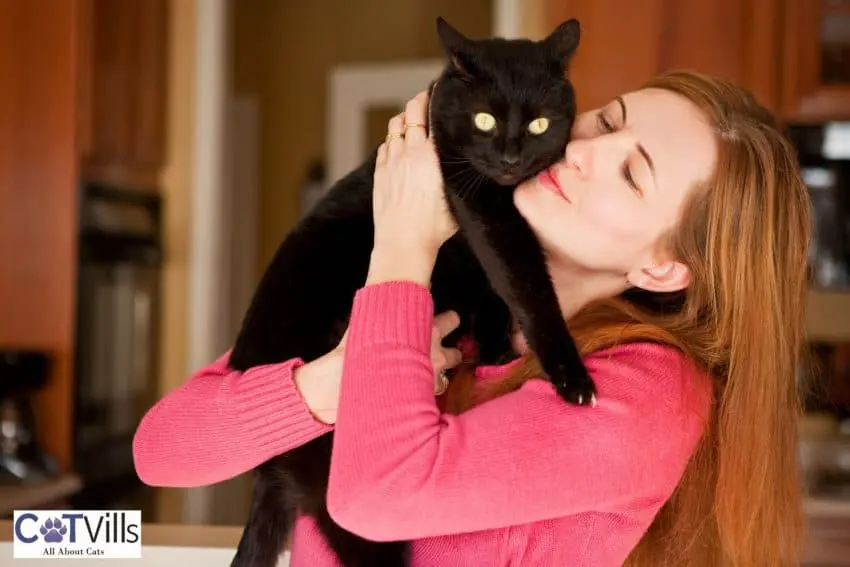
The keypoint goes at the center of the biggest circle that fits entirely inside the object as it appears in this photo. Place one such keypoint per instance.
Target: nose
(590, 156)
(510, 159)
(579, 156)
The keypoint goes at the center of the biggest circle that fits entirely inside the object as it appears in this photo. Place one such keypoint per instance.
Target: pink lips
(550, 182)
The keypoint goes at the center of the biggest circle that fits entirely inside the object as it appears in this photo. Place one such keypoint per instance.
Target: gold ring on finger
(443, 385)
(393, 136)
(413, 125)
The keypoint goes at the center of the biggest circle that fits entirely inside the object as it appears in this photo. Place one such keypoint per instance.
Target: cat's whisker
(461, 173)
(480, 180)
(471, 185)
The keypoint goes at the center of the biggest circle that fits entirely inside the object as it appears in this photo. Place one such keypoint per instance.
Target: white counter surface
(152, 556)
(163, 545)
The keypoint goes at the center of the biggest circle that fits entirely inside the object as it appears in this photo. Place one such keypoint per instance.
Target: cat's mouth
(508, 178)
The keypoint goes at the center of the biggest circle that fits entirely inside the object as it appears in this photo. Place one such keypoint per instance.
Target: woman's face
(626, 174)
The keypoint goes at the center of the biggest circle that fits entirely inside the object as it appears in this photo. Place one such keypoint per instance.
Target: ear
(661, 278)
(455, 44)
(452, 40)
(563, 41)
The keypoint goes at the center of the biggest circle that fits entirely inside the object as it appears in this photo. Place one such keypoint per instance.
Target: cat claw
(592, 402)
(582, 393)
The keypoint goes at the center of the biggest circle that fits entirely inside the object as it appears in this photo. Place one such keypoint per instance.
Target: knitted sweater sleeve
(222, 423)
(402, 470)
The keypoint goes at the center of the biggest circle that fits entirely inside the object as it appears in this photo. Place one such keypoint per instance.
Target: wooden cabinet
(794, 55)
(816, 60)
(624, 43)
(83, 96)
(123, 74)
(38, 173)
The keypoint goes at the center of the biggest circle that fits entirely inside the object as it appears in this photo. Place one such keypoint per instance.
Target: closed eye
(606, 127)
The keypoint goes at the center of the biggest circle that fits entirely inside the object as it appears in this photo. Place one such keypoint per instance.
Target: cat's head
(505, 107)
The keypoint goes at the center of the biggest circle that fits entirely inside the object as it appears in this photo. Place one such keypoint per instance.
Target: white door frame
(208, 256)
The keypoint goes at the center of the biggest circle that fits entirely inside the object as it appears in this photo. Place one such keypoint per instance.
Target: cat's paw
(575, 387)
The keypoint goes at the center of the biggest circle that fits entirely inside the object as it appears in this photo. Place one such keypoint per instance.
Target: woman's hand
(411, 217)
(318, 381)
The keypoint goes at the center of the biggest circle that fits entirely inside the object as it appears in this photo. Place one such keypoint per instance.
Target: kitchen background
(153, 153)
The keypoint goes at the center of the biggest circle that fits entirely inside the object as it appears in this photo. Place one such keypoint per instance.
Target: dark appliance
(120, 256)
(824, 153)
(22, 374)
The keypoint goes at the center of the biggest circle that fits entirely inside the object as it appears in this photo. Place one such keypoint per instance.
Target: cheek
(612, 217)
(618, 229)
(600, 231)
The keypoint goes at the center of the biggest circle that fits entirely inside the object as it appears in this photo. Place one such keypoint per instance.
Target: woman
(683, 189)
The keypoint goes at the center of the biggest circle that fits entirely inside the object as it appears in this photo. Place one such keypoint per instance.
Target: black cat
(501, 112)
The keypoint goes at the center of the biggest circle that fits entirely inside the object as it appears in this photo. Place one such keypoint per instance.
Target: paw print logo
(52, 530)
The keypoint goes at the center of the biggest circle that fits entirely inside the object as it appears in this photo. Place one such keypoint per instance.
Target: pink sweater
(524, 479)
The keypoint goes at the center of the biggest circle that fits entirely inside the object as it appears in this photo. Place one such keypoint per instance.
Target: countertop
(827, 507)
(182, 545)
(37, 495)
(163, 545)
(171, 535)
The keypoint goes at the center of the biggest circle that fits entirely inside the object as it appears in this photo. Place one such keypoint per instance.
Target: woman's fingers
(416, 119)
(452, 356)
(395, 136)
(445, 323)
(381, 158)
(443, 358)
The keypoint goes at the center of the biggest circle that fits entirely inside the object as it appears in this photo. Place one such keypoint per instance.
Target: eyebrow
(640, 146)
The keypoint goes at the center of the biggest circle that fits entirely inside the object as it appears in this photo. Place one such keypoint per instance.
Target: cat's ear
(455, 44)
(563, 41)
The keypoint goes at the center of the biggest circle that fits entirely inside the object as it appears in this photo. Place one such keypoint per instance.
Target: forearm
(397, 262)
(318, 384)
(222, 423)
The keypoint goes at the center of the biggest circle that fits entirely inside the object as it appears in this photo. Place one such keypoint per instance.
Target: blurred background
(153, 153)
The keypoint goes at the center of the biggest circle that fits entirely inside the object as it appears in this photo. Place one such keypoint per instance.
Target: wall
(282, 52)
(176, 186)
(534, 19)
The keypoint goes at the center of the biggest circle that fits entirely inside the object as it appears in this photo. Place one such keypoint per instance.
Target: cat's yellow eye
(485, 121)
(538, 126)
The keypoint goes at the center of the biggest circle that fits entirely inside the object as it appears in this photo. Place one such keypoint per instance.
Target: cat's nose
(510, 160)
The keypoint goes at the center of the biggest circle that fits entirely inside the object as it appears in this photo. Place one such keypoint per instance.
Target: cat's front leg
(459, 283)
(515, 263)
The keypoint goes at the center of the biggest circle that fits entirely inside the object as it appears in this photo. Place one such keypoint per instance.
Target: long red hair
(744, 236)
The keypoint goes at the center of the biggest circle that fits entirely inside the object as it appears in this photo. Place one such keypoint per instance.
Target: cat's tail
(269, 524)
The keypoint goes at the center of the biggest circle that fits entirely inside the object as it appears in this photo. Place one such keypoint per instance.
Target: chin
(539, 206)
(527, 199)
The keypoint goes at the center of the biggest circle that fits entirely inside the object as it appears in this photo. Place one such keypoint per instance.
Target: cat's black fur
(302, 305)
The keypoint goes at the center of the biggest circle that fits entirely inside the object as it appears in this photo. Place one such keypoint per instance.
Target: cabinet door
(38, 201)
(816, 57)
(624, 43)
(123, 97)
